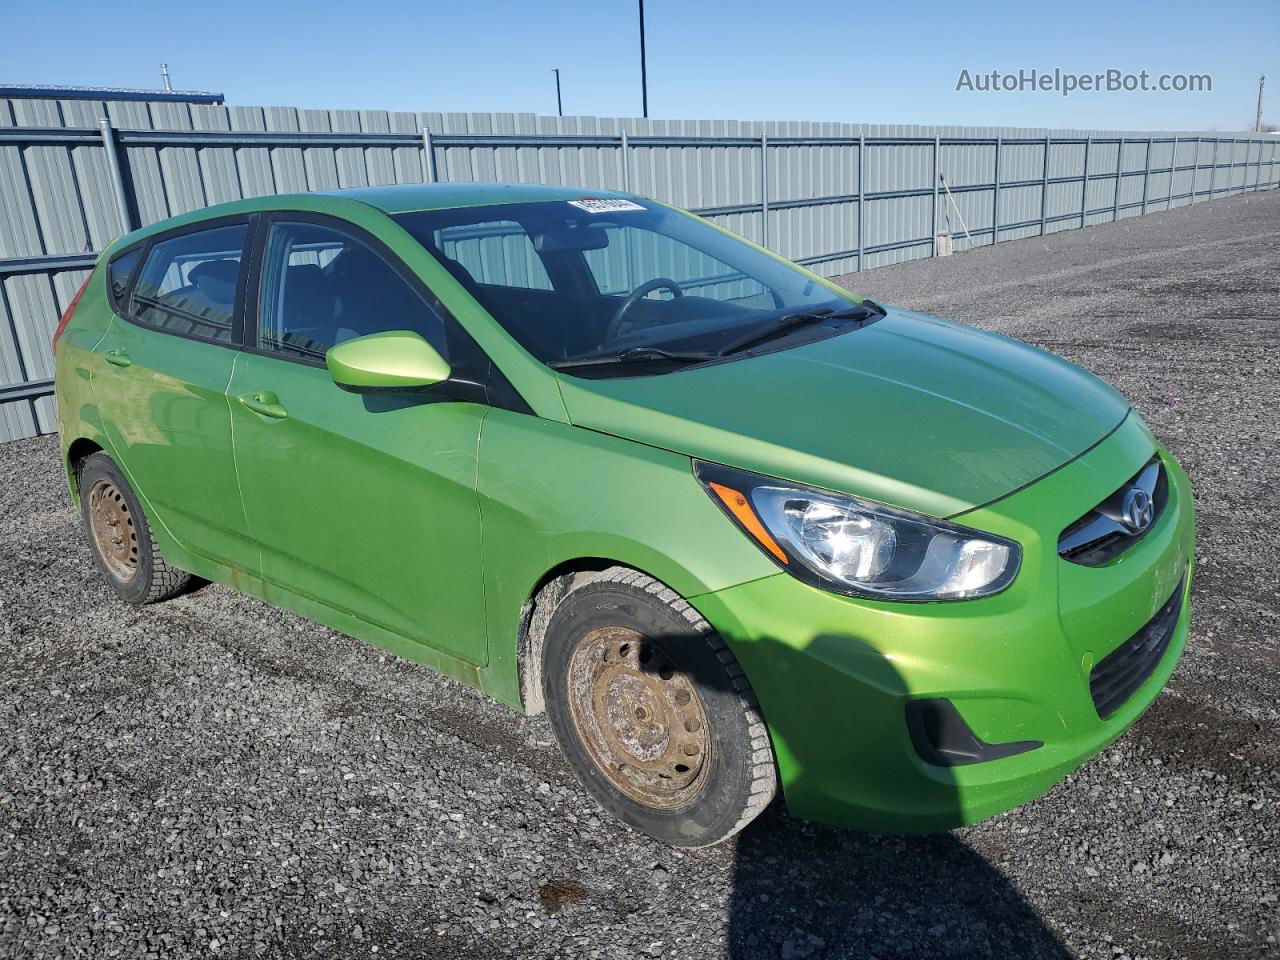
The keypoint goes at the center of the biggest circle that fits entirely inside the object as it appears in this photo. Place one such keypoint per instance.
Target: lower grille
(1120, 673)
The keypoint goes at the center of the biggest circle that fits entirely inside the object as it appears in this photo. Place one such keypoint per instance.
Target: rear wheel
(653, 712)
(120, 536)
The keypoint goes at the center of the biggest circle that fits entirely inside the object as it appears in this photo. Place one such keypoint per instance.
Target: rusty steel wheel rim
(640, 718)
(113, 531)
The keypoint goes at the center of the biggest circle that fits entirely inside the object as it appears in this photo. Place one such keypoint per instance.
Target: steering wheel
(634, 297)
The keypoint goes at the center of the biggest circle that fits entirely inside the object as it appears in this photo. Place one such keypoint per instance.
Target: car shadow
(801, 889)
(805, 890)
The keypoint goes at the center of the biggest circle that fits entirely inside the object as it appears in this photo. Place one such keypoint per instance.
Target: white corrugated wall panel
(19, 229)
(799, 232)
(1021, 161)
(59, 199)
(966, 164)
(35, 316)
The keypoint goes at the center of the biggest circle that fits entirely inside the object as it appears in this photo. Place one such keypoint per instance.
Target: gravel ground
(212, 777)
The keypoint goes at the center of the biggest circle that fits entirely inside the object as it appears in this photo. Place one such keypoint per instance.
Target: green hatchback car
(734, 528)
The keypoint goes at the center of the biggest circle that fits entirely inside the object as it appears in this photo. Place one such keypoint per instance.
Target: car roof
(400, 198)
(408, 197)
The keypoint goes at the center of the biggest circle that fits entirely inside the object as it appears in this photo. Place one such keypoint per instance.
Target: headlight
(852, 546)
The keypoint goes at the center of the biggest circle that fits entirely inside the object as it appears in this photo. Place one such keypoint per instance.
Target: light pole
(644, 74)
(559, 104)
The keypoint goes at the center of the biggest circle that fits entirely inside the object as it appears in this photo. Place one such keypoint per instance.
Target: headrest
(215, 278)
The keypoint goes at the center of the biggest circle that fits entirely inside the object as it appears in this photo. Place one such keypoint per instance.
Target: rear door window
(188, 283)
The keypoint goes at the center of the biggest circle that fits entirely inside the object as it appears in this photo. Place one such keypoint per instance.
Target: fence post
(995, 196)
(862, 208)
(429, 154)
(764, 190)
(1044, 187)
(626, 162)
(1195, 170)
(1115, 205)
(1257, 180)
(1173, 173)
(113, 167)
(937, 174)
(1146, 177)
(1084, 189)
(1213, 168)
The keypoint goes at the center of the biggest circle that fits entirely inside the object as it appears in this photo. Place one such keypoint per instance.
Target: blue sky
(889, 61)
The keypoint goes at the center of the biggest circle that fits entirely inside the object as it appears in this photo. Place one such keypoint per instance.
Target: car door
(169, 352)
(364, 503)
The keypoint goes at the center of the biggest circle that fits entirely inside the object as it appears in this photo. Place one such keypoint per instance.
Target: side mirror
(385, 363)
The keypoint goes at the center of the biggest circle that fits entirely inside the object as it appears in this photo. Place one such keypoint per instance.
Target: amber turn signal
(742, 512)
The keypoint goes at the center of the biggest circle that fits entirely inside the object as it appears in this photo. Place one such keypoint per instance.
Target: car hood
(910, 410)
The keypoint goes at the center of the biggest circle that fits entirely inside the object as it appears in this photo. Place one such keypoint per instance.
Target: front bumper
(834, 674)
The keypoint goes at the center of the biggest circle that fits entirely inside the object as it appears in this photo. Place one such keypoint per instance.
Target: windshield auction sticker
(604, 205)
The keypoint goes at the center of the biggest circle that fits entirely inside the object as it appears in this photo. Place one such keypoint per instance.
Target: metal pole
(1173, 173)
(626, 162)
(1195, 170)
(1213, 169)
(764, 190)
(644, 71)
(995, 197)
(164, 72)
(937, 175)
(429, 154)
(559, 103)
(1146, 177)
(862, 211)
(1044, 188)
(1084, 190)
(1115, 205)
(113, 166)
(1257, 179)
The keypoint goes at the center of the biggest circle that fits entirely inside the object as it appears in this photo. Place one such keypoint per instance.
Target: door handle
(265, 403)
(117, 358)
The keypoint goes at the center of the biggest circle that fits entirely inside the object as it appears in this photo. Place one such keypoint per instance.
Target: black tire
(678, 674)
(120, 537)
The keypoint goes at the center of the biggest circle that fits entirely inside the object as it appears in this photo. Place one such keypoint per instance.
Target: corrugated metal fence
(837, 197)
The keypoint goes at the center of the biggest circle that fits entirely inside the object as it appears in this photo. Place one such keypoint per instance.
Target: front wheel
(653, 712)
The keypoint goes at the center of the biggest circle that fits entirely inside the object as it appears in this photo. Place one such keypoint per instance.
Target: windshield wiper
(632, 355)
(863, 311)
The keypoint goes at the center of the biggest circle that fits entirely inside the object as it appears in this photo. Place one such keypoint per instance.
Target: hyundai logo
(1137, 510)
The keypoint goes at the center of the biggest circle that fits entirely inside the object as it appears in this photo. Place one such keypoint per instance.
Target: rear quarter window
(120, 275)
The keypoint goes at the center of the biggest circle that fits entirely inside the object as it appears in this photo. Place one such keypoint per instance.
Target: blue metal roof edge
(20, 91)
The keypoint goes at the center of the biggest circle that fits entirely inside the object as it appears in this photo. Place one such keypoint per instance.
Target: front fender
(551, 494)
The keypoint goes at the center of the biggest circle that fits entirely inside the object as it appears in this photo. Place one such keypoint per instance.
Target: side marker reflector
(741, 510)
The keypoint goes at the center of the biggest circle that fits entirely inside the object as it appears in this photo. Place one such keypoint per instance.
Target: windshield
(598, 278)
